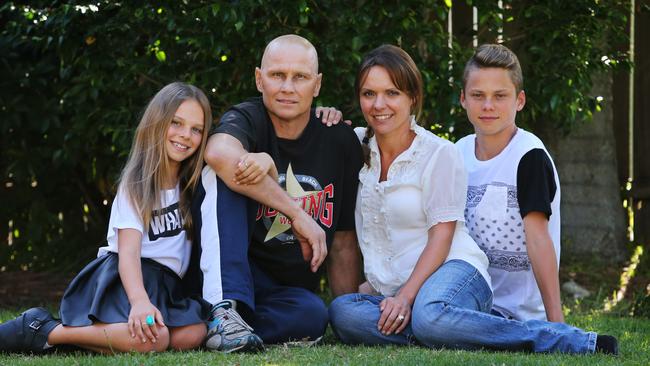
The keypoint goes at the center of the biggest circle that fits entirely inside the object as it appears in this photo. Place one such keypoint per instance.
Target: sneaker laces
(231, 321)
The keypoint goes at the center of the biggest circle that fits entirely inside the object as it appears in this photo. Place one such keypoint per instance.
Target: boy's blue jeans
(452, 311)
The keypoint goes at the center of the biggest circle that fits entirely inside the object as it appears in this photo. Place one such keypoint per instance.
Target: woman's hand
(140, 310)
(395, 315)
(396, 310)
(252, 168)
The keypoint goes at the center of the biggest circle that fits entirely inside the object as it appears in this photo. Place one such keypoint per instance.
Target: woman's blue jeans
(452, 310)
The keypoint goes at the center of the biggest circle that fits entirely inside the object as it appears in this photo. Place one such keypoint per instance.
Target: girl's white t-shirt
(165, 241)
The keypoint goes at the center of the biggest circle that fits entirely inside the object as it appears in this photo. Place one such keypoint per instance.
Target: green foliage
(74, 79)
(562, 46)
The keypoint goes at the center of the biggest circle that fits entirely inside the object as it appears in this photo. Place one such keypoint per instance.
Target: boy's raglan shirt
(501, 192)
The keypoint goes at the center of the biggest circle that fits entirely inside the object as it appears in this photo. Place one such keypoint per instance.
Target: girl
(130, 298)
(427, 282)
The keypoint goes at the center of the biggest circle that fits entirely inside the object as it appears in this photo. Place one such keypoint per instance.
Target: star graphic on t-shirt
(281, 222)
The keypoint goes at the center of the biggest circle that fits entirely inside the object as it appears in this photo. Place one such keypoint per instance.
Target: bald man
(275, 203)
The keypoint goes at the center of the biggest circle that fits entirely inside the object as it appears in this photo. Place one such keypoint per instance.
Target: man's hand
(331, 116)
(223, 154)
(311, 238)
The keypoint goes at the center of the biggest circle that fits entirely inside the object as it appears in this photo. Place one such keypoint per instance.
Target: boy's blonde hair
(148, 165)
(499, 56)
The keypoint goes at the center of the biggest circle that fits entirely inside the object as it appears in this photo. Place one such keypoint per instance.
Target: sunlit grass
(627, 274)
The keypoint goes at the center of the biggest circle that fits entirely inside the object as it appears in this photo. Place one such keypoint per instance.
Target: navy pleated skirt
(97, 295)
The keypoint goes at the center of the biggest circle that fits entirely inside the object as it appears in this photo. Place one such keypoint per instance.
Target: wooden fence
(633, 132)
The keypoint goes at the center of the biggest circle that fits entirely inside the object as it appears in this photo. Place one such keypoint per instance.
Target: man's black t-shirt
(320, 170)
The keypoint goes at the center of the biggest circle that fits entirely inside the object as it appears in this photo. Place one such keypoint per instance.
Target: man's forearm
(269, 193)
(223, 153)
(344, 261)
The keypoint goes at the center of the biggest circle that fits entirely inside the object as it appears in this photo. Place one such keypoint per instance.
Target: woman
(427, 280)
(409, 213)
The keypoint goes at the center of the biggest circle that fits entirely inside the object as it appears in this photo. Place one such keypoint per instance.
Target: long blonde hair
(148, 165)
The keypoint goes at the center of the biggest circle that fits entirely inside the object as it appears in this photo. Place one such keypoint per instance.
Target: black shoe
(607, 344)
(28, 332)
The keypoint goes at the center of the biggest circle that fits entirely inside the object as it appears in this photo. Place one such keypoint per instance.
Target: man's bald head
(288, 79)
(280, 43)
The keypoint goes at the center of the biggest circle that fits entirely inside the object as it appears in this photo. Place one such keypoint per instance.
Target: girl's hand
(138, 321)
(331, 116)
(395, 315)
(252, 168)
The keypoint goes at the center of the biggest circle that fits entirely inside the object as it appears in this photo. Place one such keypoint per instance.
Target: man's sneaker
(228, 332)
(28, 332)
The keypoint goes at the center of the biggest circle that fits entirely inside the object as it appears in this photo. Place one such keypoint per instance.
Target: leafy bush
(75, 77)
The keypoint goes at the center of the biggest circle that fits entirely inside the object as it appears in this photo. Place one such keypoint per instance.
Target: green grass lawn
(633, 335)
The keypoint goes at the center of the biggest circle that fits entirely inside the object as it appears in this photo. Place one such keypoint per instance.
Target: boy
(513, 198)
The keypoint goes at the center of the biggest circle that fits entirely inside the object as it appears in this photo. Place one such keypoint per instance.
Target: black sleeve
(236, 124)
(353, 162)
(535, 183)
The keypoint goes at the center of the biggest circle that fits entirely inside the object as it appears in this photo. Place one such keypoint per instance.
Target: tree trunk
(593, 217)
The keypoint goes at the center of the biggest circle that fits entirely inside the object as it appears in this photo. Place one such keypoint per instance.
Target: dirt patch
(27, 289)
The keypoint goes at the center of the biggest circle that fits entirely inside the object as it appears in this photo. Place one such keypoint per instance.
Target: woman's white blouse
(426, 185)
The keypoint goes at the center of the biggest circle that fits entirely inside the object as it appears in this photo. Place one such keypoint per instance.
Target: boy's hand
(252, 167)
(331, 116)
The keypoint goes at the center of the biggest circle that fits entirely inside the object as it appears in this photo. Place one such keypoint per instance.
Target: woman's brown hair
(403, 73)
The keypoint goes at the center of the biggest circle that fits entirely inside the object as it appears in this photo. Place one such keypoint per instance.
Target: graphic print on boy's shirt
(166, 222)
(525, 171)
(496, 225)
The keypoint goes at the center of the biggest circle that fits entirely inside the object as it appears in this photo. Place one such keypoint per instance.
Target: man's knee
(310, 318)
(300, 316)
